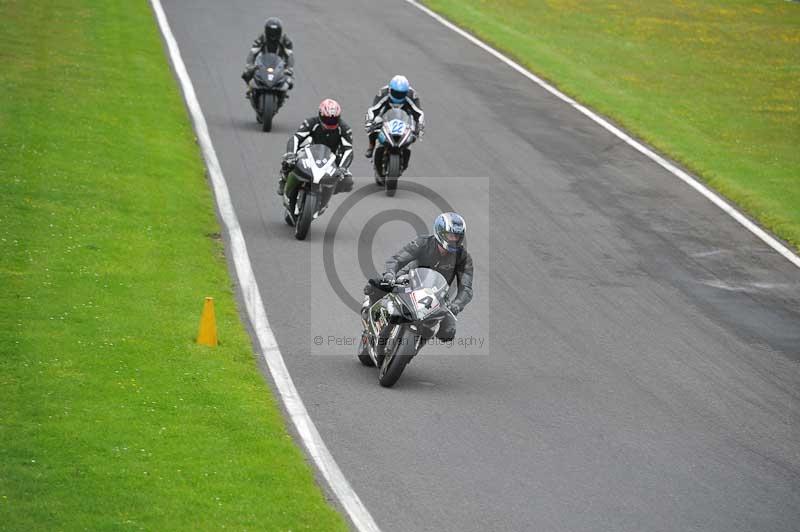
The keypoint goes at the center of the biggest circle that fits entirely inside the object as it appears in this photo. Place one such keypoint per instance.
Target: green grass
(111, 417)
(715, 84)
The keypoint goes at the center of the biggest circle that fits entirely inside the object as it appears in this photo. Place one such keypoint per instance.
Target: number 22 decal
(397, 127)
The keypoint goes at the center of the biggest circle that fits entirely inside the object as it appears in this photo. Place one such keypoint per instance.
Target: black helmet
(273, 29)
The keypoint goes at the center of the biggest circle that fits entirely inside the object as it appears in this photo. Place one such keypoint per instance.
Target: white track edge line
(682, 175)
(312, 440)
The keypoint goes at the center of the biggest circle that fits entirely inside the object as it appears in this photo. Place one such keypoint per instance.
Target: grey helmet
(450, 230)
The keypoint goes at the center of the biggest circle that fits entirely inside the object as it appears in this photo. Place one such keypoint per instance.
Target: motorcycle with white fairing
(309, 186)
(400, 323)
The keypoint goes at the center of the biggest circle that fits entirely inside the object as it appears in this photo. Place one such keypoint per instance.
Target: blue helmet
(450, 230)
(398, 89)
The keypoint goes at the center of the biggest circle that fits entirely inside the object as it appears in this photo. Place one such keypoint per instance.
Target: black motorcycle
(309, 187)
(399, 324)
(396, 134)
(268, 88)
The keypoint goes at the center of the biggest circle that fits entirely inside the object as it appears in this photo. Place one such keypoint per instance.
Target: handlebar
(387, 287)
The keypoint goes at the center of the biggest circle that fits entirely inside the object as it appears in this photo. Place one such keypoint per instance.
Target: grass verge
(712, 83)
(110, 416)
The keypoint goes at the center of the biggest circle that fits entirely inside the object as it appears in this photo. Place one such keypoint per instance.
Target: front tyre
(394, 363)
(393, 170)
(267, 110)
(307, 210)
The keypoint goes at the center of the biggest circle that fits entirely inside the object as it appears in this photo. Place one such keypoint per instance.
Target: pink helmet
(329, 112)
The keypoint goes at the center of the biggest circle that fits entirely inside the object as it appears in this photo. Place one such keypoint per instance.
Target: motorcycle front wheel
(307, 210)
(393, 171)
(395, 362)
(267, 110)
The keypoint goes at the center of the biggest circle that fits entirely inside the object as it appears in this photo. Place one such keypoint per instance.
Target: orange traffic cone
(207, 335)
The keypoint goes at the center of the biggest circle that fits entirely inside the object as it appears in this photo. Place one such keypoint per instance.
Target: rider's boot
(281, 181)
(364, 311)
(364, 318)
(370, 149)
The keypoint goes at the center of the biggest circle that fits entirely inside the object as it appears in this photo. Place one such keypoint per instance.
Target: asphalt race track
(641, 365)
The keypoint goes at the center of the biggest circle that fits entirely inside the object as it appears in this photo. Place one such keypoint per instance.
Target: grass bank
(715, 84)
(110, 416)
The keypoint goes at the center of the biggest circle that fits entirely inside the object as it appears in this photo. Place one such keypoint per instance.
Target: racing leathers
(281, 47)
(425, 252)
(312, 131)
(381, 104)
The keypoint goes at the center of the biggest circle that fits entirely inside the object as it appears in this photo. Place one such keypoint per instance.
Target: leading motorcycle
(400, 323)
(311, 181)
(268, 88)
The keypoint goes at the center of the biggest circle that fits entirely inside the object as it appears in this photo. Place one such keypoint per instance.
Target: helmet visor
(398, 96)
(273, 33)
(451, 241)
(454, 239)
(330, 121)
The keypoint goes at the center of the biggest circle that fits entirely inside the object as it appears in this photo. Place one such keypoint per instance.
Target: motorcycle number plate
(397, 127)
(270, 76)
(425, 301)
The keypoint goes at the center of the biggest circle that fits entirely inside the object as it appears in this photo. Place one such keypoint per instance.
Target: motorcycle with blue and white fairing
(400, 323)
(396, 134)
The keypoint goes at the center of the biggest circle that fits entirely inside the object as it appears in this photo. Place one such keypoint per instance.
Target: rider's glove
(388, 277)
(247, 75)
(455, 308)
(289, 158)
(343, 184)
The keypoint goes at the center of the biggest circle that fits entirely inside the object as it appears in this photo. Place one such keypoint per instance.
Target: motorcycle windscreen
(428, 291)
(268, 60)
(320, 153)
(397, 121)
(396, 114)
(317, 163)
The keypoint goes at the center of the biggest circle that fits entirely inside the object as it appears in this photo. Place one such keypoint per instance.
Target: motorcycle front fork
(381, 161)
